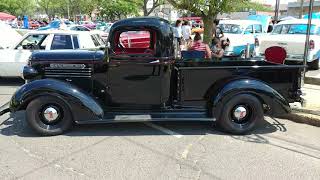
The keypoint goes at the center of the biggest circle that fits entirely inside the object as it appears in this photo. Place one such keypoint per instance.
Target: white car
(291, 35)
(9, 36)
(240, 33)
(13, 59)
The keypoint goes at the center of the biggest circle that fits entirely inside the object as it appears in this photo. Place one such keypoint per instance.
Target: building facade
(294, 8)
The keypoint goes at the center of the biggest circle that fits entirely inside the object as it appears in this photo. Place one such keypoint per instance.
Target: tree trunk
(208, 28)
(145, 10)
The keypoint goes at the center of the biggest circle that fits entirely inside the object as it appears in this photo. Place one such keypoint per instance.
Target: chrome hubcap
(240, 113)
(50, 114)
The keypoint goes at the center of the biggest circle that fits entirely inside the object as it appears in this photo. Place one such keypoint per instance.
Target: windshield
(230, 28)
(294, 29)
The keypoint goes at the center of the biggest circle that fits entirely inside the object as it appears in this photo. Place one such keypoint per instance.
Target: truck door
(134, 75)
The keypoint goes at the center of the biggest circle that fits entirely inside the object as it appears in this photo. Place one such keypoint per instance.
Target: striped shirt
(198, 46)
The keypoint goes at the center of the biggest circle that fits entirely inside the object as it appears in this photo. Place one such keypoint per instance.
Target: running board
(139, 117)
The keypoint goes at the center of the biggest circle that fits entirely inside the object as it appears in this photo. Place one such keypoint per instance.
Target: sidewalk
(310, 113)
(313, 77)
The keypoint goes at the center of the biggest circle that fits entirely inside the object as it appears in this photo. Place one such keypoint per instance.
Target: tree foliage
(252, 6)
(17, 7)
(155, 3)
(117, 9)
(208, 10)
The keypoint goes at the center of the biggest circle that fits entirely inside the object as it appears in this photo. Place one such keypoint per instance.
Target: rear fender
(73, 95)
(276, 103)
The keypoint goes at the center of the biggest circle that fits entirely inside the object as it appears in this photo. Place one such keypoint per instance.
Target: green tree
(208, 10)
(49, 7)
(117, 9)
(155, 4)
(18, 7)
(252, 5)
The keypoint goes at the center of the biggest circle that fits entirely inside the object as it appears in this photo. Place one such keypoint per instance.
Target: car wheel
(314, 65)
(49, 115)
(240, 114)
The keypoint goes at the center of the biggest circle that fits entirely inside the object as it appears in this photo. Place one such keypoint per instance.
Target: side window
(95, 41)
(100, 40)
(44, 43)
(61, 42)
(249, 30)
(285, 29)
(277, 29)
(318, 31)
(258, 28)
(32, 42)
(75, 42)
(135, 42)
(135, 39)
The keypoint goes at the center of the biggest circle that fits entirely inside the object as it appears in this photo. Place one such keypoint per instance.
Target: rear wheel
(49, 115)
(240, 114)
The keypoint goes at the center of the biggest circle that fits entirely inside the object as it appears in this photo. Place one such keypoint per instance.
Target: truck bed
(197, 77)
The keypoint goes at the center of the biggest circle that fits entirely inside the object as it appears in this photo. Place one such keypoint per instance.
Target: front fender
(276, 103)
(29, 91)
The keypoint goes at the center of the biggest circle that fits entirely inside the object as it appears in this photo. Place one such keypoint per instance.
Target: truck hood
(67, 55)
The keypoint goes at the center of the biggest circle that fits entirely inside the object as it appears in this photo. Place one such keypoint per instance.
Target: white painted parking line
(165, 130)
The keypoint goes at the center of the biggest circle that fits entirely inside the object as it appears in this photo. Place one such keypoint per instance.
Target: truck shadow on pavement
(15, 125)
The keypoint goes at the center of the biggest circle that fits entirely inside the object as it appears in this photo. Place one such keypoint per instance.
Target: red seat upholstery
(276, 54)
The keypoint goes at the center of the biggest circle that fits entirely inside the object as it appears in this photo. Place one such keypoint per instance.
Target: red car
(34, 25)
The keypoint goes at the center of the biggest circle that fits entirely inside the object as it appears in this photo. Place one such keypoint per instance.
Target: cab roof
(141, 22)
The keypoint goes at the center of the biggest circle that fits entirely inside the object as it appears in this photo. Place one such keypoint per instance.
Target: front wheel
(49, 115)
(240, 114)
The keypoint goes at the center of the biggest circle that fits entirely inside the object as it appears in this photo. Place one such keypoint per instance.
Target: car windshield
(294, 29)
(230, 28)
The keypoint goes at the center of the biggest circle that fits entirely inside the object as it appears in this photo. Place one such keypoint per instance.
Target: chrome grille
(80, 73)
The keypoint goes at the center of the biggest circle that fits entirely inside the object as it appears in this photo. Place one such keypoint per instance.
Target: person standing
(186, 33)
(177, 32)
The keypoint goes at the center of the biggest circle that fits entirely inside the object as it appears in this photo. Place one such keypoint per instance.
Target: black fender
(276, 103)
(71, 94)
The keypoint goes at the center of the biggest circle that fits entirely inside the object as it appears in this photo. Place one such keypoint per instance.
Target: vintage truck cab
(140, 80)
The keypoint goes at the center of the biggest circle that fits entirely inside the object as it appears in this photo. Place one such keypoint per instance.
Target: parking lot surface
(177, 150)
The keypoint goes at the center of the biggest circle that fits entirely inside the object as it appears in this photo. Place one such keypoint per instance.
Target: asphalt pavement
(278, 149)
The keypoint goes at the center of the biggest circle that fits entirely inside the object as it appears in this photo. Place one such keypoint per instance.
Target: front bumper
(5, 108)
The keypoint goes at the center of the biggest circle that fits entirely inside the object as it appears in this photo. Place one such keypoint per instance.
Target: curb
(302, 117)
(311, 80)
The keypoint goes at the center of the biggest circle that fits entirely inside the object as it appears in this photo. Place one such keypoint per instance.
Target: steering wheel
(31, 46)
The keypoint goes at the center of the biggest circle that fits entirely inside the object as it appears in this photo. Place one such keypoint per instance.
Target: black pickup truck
(137, 78)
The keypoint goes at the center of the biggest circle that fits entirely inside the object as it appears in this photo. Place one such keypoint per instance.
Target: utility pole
(276, 10)
(307, 43)
(301, 9)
